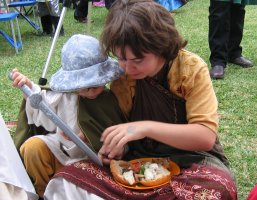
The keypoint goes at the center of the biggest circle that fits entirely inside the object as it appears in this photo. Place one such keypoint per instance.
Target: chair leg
(29, 11)
(14, 37)
(89, 15)
(19, 34)
(36, 18)
(32, 23)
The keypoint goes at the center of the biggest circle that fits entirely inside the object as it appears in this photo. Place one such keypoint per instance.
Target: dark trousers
(81, 10)
(226, 24)
(50, 23)
(46, 22)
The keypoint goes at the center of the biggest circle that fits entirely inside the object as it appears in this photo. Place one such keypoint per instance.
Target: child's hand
(105, 158)
(19, 79)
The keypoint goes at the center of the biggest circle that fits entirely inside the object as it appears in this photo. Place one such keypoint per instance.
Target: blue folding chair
(27, 3)
(4, 17)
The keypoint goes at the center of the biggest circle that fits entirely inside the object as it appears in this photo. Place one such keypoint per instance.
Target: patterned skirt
(198, 182)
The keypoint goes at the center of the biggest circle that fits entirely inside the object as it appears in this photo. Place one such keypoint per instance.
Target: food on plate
(148, 172)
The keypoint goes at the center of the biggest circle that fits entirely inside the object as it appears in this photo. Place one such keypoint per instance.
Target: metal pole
(42, 79)
(89, 16)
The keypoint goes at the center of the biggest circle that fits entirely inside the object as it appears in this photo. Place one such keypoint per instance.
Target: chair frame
(11, 16)
(35, 23)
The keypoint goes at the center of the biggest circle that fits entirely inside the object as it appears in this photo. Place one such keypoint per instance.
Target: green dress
(243, 2)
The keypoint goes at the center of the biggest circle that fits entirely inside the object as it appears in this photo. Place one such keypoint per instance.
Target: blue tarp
(170, 4)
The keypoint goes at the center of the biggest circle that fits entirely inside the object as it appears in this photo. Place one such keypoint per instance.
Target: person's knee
(33, 148)
(39, 162)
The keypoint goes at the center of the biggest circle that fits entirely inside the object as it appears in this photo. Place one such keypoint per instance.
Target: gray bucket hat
(84, 66)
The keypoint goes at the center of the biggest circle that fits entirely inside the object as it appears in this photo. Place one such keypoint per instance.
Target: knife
(37, 102)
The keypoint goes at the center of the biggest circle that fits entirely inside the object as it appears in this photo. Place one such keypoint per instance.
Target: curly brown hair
(142, 25)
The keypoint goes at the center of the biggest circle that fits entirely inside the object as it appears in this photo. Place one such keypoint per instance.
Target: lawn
(236, 94)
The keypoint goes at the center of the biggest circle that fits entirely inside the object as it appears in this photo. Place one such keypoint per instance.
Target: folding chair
(32, 4)
(11, 16)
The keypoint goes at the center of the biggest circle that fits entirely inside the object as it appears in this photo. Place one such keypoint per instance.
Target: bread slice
(118, 168)
(161, 175)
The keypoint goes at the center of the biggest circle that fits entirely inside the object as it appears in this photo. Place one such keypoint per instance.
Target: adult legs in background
(236, 35)
(219, 32)
(55, 21)
(237, 17)
(49, 13)
(46, 23)
(226, 24)
(81, 11)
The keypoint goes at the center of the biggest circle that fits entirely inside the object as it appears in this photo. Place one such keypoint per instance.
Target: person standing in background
(81, 11)
(49, 13)
(226, 24)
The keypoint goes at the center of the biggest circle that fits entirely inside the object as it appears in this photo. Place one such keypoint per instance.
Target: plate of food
(143, 173)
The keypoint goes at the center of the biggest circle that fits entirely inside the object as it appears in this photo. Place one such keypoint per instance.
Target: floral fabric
(195, 183)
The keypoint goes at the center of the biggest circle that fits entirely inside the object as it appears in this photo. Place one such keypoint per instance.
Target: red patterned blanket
(195, 183)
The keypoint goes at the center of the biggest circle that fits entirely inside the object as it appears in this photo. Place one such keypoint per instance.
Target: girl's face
(139, 68)
(91, 93)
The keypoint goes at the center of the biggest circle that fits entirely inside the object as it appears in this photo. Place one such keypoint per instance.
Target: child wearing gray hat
(84, 72)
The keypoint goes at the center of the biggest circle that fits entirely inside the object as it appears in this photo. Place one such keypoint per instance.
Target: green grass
(236, 94)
